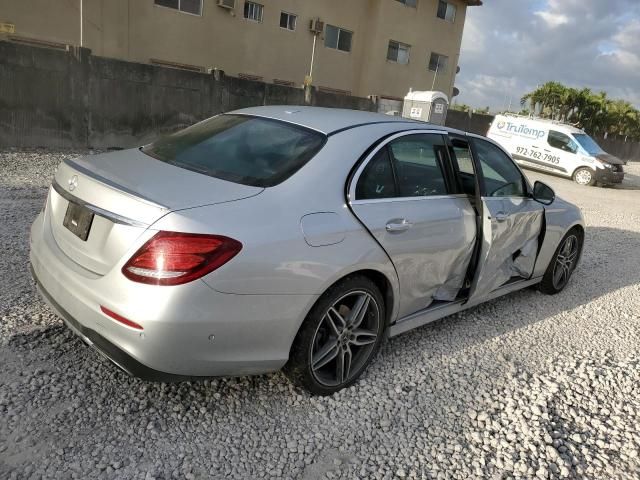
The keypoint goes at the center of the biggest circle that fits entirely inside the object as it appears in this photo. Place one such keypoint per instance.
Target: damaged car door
(511, 221)
(403, 194)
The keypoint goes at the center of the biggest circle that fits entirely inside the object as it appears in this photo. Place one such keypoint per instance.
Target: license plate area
(78, 220)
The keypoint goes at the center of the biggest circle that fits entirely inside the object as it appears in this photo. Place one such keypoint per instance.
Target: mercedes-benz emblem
(73, 182)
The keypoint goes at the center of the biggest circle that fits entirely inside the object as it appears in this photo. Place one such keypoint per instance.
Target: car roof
(332, 120)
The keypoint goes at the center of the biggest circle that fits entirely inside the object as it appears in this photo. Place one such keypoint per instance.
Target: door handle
(501, 216)
(398, 225)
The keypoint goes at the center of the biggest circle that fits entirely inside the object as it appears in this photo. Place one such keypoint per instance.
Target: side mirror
(543, 193)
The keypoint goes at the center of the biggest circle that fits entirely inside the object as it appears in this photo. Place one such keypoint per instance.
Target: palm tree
(622, 118)
(547, 99)
(595, 113)
(600, 119)
(569, 103)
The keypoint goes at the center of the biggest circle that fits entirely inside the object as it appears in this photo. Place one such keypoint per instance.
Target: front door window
(501, 176)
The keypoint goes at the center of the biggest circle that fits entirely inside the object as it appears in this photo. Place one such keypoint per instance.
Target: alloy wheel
(345, 338)
(584, 177)
(565, 262)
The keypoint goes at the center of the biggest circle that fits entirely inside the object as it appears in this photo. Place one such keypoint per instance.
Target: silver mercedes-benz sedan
(292, 237)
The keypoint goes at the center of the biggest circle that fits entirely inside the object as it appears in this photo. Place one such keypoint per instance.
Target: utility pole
(316, 30)
(435, 75)
(313, 54)
(81, 26)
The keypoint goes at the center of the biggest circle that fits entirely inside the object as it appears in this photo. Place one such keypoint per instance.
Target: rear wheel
(584, 176)
(563, 264)
(339, 338)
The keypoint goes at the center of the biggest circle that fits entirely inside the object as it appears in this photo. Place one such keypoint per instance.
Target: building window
(438, 63)
(447, 11)
(398, 52)
(253, 11)
(409, 3)
(335, 37)
(187, 6)
(288, 20)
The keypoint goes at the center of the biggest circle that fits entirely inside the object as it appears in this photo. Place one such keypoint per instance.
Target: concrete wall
(474, 123)
(71, 98)
(625, 150)
(139, 30)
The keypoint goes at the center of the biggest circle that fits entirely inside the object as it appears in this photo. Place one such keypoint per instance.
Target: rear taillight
(173, 258)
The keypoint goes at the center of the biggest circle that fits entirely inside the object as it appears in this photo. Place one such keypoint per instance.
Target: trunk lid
(124, 193)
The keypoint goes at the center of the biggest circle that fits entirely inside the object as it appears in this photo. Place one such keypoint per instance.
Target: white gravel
(525, 386)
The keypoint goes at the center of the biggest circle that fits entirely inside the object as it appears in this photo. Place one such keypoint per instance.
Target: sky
(511, 46)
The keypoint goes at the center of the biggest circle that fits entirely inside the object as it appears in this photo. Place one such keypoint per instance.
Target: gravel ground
(521, 387)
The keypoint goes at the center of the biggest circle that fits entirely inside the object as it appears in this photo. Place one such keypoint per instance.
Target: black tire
(580, 175)
(320, 326)
(549, 284)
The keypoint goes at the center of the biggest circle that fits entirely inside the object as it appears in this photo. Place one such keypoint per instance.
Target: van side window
(562, 141)
(501, 176)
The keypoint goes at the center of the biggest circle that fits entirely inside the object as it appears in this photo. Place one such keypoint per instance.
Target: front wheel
(584, 176)
(563, 264)
(339, 338)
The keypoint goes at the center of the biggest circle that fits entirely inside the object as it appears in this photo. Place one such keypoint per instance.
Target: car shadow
(630, 182)
(591, 280)
(53, 369)
(603, 253)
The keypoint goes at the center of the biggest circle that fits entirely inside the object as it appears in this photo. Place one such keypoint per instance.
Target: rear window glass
(239, 148)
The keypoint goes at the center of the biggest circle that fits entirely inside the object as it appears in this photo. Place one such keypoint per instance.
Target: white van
(556, 148)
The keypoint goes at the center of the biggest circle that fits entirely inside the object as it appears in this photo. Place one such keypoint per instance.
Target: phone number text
(545, 157)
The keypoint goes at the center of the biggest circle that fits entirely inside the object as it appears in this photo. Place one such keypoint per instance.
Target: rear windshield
(239, 148)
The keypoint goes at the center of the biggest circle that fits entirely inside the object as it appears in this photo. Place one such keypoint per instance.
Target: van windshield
(239, 148)
(588, 143)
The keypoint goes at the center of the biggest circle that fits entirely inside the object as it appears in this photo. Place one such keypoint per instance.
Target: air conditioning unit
(316, 26)
(230, 4)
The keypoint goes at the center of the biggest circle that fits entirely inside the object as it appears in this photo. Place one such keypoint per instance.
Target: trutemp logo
(521, 130)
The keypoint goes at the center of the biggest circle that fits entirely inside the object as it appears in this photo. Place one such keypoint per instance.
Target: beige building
(363, 47)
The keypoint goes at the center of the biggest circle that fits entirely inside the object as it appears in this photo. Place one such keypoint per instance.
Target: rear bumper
(119, 357)
(189, 331)
(608, 177)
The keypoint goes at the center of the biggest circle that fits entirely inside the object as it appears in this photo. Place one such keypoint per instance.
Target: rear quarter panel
(276, 259)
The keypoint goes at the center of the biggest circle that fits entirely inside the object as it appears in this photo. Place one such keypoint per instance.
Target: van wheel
(339, 338)
(584, 176)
